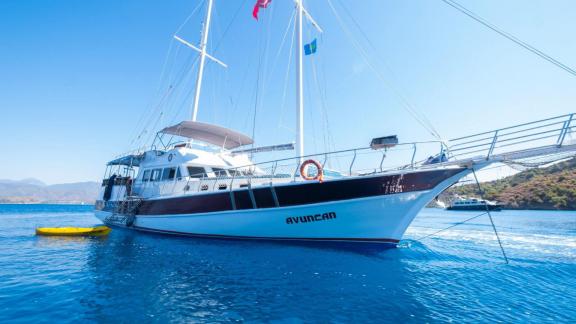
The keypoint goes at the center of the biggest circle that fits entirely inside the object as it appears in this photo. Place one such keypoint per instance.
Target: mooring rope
(481, 192)
(449, 227)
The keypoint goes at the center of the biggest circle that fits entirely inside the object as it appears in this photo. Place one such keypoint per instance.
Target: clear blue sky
(76, 76)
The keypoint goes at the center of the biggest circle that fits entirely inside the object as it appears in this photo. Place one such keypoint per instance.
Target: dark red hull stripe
(292, 195)
(234, 237)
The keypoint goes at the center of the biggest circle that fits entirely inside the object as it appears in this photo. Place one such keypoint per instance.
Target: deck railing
(365, 161)
(345, 163)
(545, 132)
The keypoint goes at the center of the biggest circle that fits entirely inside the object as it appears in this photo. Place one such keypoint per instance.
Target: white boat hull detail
(381, 219)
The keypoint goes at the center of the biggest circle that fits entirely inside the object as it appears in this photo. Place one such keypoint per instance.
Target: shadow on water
(143, 276)
(56, 241)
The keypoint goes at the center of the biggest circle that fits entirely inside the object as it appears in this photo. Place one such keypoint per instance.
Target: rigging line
(138, 129)
(184, 74)
(141, 133)
(481, 192)
(171, 89)
(315, 77)
(181, 76)
(221, 40)
(189, 17)
(509, 36)
(187, 72)
(286, 76)
(322, 74)
(263, 70)
(384, 63)
(257, 92)
(277, 56)
(407, 105)
(323, 105)
(229, 25)
(180, 101)
(174, 83)
(364, 55)
(154, 121)
(240, 90)
(263, 50)
(449, 227)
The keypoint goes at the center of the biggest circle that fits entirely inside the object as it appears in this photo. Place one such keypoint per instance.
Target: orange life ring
(319, 176)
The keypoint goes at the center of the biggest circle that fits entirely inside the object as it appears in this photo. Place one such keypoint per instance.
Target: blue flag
(310, 48)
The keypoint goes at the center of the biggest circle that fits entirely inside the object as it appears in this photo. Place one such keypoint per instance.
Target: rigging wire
(449, 227)
(200, 3)
(286, 77)
(386, 65)
(141, 121)
(257, 97)
(481, 192)
(405, 103)
(226, 30)
(261, 72)
(326, 132)
(284, 36)
(315, 60)
(174, 83)
(509, 36)
(240, 90)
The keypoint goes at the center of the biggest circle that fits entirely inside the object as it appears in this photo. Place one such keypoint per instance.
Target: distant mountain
(31, 181)
(35, 191)
(553, 187)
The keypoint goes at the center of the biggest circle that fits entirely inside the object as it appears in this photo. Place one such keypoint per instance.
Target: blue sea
(457, 275)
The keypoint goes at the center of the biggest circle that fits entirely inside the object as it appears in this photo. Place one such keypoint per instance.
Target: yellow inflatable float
(73, 231)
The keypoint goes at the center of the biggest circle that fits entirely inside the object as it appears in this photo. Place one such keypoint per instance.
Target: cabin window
(196, 172)
(178, 173)
(156, 174)
(219, 172)
(169, 174)
(146, 176)
(235, 172)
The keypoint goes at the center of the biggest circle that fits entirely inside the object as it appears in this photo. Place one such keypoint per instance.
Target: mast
(203, 54)
(299, 85)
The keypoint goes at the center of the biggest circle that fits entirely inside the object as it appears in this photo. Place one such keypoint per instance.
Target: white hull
(382, 219)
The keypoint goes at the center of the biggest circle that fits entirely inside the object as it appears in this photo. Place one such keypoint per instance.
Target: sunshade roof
(128, 160)
(211, 134)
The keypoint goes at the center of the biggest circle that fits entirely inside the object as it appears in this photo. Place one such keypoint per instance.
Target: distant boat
(474, 204)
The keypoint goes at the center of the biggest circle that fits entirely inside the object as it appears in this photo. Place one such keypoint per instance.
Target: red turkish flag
(259, 4)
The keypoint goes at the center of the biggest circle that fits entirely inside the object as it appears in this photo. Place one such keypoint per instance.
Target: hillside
(32, 191)
(553, 187)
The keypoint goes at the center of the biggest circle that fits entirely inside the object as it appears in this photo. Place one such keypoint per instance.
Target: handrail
(512, 136)
(506, 134)
(365, 160)
(510, 127)
(565, 130)
(515, 138)
(352, 163)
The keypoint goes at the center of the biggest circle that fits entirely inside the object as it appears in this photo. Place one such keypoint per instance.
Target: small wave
(557, 245)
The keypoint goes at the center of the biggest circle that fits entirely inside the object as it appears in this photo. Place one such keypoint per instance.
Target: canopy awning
(128, 160)
(211, 134)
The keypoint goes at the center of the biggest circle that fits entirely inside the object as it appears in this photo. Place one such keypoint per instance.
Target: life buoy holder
(319, 176)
